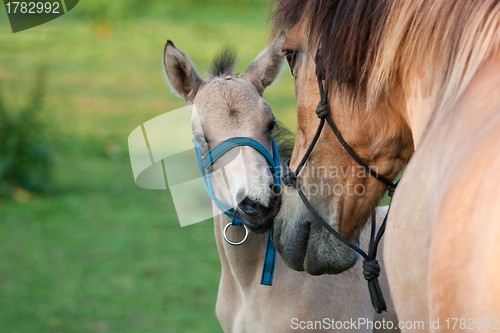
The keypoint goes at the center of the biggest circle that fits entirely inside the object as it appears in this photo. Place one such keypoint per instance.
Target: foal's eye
(271, 125)
(290, 58)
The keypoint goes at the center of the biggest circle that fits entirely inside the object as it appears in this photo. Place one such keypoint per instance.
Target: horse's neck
(460, 128)
(423, 112)
(242, 263)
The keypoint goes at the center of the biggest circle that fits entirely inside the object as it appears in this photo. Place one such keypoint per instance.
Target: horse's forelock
(347, 31)
(224, 62)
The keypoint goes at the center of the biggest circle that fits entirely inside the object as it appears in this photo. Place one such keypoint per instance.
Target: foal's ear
(267, 65)
(180, 72)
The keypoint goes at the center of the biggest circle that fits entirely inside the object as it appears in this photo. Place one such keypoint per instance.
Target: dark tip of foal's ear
(169, 43)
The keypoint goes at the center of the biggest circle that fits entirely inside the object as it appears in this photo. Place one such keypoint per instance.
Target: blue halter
(205, 163)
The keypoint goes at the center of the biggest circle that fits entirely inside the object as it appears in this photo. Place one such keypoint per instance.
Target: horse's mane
(369, 46)
(223, 63)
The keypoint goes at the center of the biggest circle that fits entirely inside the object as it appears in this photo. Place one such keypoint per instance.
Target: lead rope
(371, 267)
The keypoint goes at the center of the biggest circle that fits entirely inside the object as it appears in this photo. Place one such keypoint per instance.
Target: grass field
(97, 253)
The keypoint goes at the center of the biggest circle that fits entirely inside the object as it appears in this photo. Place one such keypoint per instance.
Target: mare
(413, 78)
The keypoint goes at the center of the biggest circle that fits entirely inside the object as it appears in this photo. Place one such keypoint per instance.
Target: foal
(226, 106)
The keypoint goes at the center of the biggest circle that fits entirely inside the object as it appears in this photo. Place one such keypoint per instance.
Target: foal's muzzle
(258, 217)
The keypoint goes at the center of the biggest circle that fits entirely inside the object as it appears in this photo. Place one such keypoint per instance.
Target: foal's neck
(242, 263)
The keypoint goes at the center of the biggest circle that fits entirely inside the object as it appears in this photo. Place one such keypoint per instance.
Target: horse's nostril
(250, 207)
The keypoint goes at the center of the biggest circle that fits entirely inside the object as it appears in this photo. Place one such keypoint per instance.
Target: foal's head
(226, 106)
(341, 191)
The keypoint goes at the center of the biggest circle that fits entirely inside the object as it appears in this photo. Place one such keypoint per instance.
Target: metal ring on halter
(231, 242)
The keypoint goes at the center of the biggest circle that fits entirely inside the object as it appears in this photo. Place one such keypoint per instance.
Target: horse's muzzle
(256, 216)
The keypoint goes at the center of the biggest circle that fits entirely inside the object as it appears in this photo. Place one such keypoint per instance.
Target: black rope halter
(371, 267)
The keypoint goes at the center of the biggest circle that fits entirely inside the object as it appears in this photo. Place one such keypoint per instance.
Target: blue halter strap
(205, 163)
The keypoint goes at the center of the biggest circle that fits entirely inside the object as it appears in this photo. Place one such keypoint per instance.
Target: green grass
(99, 254)
(106, 78)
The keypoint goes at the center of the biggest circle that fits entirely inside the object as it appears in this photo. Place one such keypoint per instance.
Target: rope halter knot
(288, 175)
(390, 190)
(322, 109)
(371, 269)
(371, 272)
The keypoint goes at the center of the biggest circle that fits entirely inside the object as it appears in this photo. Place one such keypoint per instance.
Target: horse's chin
(256, 225)
(263, 220)
(305, 245)
(327, 255)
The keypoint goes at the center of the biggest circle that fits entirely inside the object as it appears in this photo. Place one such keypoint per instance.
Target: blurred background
(82, 248)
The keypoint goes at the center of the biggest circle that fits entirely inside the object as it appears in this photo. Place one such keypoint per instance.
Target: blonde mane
(441, 43)
(372, 46)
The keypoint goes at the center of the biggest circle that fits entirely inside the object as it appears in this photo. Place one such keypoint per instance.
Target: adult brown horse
(402, 76)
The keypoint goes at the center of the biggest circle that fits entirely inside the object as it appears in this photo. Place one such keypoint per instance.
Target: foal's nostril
(250, 207)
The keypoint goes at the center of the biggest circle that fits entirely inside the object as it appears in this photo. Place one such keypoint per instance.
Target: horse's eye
(290, 58)
(271, 125)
